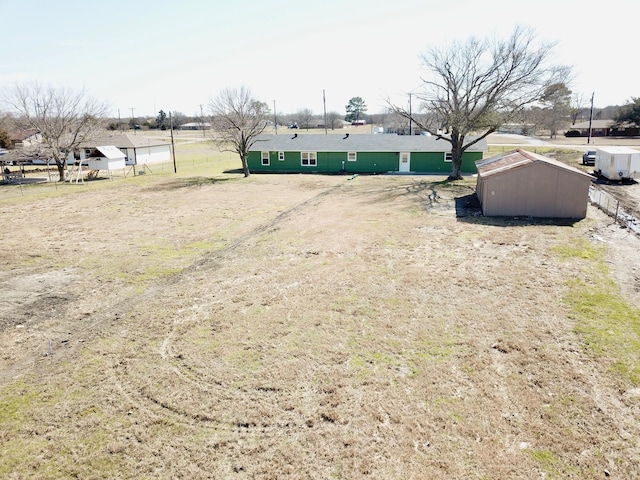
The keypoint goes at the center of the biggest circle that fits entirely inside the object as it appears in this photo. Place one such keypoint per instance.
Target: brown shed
(522, 183)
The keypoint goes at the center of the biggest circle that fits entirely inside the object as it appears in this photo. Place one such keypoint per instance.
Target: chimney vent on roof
(346, 136)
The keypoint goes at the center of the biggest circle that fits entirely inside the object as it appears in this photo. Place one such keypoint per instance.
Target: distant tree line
(469, 91)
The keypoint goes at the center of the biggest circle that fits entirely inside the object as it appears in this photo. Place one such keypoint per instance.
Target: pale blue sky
(176, 55)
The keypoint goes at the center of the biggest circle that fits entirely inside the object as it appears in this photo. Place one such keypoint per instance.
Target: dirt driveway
(305, 327)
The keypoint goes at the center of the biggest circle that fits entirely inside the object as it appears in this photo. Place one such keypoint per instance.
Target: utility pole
(119, 122)
(133, 120)
(275, 116)
(324, 103)
(202, 122)
(173, 147)
(590, 118)
(410, 117)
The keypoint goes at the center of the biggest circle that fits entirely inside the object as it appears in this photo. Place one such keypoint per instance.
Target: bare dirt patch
(302, 327)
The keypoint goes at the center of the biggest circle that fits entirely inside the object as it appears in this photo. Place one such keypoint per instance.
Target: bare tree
(333, 119)
(178, 118)
(65, 118)
(305, 117)
(238, 119)
(577, 107)
(475, 86)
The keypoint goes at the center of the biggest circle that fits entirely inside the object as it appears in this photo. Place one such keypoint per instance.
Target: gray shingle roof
(288, 142)
(124, 140)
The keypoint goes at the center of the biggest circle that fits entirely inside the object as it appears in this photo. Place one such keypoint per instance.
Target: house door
(405, 162)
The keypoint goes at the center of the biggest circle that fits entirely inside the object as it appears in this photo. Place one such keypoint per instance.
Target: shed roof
(515, 159)
(356, 142)
(111, 152)
(124, 140)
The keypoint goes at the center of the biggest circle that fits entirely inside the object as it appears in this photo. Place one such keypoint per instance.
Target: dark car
(589, 158)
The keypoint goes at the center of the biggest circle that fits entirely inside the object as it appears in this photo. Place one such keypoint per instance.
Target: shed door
(405, 162)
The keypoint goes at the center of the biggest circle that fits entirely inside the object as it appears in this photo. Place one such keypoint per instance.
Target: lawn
(204, 325)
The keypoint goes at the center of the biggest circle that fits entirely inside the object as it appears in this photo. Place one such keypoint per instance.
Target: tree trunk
(61, 167)
(456, 156)
(456, 169)
(245, 166)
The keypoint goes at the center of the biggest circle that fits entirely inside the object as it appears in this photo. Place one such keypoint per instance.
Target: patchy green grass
(582, 249)
(609, 325)
(547, 460)
(348, 335)
(18, 401)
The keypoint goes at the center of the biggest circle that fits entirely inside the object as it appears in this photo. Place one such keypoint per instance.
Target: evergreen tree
(5, 139)
(161, 120)
(629, 112)
(356, 108)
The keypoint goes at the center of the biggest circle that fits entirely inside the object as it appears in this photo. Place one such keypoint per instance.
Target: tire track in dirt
(115, 313)
(212, 262)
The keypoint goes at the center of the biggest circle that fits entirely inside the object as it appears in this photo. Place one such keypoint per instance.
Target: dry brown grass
(301, 327)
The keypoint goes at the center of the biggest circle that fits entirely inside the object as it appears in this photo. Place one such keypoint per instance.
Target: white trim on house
(308, 159)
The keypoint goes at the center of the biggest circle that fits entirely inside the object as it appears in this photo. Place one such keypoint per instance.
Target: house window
(265, 158)
(448, 157)
(281, 156)
(351, 156)
(308, 159)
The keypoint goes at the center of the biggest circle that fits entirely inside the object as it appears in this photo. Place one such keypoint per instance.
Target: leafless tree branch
(237, 120)
(65, 118)
(475, 86)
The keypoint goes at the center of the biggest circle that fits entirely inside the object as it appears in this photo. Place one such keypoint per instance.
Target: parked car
(589, 158)
(573, 133)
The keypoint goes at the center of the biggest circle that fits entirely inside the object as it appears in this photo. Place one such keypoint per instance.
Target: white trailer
(617, 163)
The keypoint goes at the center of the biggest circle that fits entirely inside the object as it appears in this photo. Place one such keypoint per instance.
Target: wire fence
(614, 208)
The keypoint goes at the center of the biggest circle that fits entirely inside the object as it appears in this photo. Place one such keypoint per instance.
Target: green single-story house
(357, 153)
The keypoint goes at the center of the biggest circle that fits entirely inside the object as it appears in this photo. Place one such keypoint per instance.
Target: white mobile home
(617, 163)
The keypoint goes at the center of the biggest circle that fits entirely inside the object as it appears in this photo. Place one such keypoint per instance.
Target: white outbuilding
(139, 150)
(108, 158)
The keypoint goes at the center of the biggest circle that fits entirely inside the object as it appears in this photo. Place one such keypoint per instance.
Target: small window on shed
(448, 157)
(352, 156)
(265, 158)
(281, 156)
